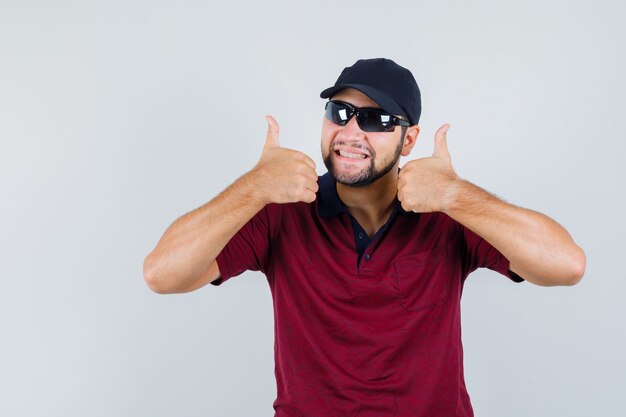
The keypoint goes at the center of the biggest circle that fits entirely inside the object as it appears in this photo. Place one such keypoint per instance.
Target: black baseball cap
(387, 83)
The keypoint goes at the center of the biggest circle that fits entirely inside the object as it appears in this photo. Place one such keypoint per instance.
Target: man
(366, 263)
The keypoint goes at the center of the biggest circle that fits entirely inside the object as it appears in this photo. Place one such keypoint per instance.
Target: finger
(271, 140)
(308, 196)
(441, 142)
(404, 174)
(407, 167)
(312, 186)
(310, 162)
(403, 171)
(311, 175)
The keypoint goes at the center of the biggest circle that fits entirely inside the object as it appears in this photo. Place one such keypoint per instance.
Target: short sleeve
(247, 250)
(481, 254)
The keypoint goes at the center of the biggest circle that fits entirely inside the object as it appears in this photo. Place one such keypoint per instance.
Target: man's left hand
(427, 184)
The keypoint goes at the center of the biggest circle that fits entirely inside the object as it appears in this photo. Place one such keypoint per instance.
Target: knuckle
(302, 182)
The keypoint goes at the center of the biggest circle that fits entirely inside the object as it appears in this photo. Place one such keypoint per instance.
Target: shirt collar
(329, 204)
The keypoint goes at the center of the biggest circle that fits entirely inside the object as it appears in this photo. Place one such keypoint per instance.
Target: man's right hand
(184, 258)
(284, 175)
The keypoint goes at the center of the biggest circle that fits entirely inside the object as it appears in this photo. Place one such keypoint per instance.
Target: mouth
(350, 156)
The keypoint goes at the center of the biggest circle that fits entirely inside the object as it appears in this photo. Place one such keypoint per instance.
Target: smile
(350, 155)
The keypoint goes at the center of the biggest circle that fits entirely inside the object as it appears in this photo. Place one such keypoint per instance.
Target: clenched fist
(427, 184)
(284, 175)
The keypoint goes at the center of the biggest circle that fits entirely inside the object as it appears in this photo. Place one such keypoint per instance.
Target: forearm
(190, 245)
(538, 248)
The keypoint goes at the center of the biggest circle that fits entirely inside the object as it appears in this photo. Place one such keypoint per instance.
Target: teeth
(351, 155)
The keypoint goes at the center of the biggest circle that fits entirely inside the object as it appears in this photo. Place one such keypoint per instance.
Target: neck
(372, 204)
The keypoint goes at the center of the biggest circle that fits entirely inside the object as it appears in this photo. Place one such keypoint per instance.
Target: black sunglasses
(369, 119)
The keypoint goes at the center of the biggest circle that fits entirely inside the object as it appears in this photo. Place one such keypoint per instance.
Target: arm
(184, 258)
(538, 248)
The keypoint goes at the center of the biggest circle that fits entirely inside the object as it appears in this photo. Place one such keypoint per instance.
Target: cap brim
(383, 100)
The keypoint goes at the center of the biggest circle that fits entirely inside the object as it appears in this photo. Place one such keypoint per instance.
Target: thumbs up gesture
(427, 184)
(284, 175)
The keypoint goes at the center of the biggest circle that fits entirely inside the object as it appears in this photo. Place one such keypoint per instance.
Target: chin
(347, 175)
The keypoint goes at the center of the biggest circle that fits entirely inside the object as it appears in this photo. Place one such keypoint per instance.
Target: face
(357, 158)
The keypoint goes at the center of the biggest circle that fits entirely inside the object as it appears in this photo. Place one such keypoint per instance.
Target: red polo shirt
(363, 327)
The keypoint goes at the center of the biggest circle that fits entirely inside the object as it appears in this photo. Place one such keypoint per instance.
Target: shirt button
(361, 235)
(367, 256)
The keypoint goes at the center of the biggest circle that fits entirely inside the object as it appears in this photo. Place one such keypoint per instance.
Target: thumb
(441, 142)
(271, 140)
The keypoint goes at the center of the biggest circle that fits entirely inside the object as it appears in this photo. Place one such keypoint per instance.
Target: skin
(537, 247)
(370, 205)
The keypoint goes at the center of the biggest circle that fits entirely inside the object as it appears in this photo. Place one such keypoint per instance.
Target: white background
(118, 117)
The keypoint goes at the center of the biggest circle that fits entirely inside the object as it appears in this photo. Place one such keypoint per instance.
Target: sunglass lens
(375, 121)
(338, 113)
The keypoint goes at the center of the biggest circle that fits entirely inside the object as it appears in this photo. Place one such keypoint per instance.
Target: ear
(409, 139)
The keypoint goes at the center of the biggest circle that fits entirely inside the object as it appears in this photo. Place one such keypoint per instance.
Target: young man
(366, 263)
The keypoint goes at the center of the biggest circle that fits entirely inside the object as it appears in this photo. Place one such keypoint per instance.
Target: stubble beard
(367, 175)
